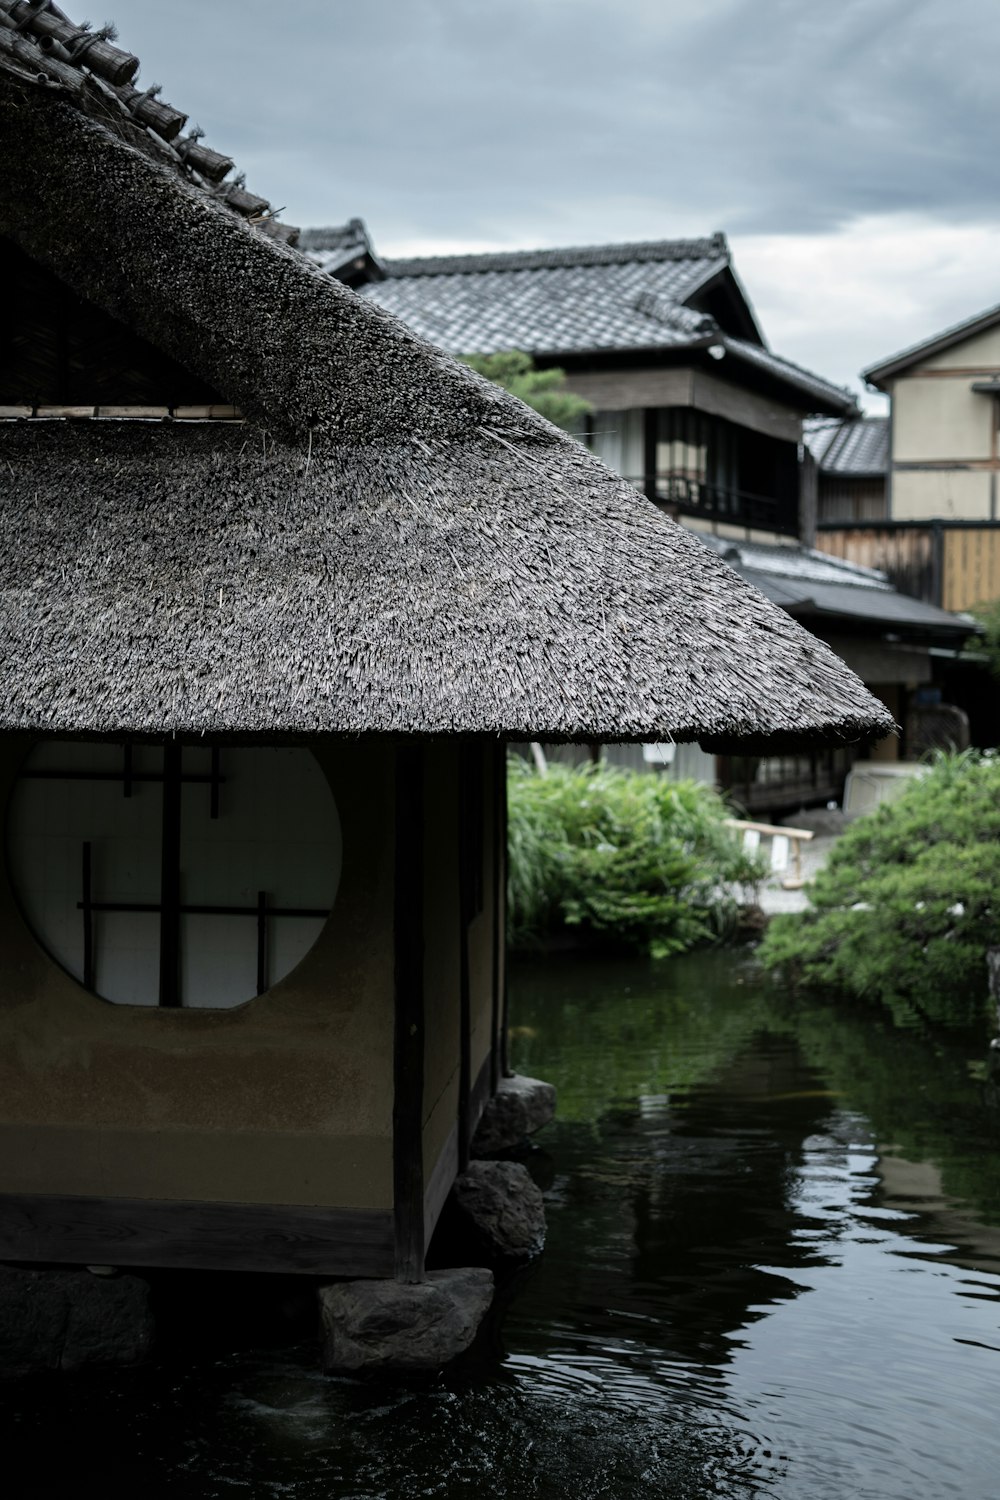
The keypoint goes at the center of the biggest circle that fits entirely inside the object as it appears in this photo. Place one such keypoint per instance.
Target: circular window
(173, 875)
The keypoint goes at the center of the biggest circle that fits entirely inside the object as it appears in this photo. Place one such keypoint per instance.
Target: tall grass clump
(909, 901)
(643, 860)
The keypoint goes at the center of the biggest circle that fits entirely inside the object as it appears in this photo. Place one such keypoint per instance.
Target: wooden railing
(695, 497)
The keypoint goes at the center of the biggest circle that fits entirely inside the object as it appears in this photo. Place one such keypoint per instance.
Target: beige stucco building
(943, 459)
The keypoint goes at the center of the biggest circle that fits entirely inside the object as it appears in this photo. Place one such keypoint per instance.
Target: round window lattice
(173, 875)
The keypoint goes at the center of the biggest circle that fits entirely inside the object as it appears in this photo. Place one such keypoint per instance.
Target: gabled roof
(852, 450)
(659, 297)
(885, 369)
(388, 544)
(343, 251)
(814, 585)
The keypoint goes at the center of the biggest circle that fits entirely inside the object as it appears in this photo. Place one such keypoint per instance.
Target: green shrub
(637, 856)
(909, 902)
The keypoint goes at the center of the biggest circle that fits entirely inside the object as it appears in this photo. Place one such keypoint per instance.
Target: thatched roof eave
(389, 545)
(207, 580)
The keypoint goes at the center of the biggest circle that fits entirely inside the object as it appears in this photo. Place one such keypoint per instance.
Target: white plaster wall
(980, 352)
(618, 441)
(945, 494)
(941, 418)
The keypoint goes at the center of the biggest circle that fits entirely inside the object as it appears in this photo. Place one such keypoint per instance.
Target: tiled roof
(558, 308)
(794, 561)
(857, 449)
(40, 45)
(580, 301)
(806, 582)
(711, 248)
(340, 247)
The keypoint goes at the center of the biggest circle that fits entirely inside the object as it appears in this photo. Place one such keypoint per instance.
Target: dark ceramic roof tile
(858, 449)
(572, 302)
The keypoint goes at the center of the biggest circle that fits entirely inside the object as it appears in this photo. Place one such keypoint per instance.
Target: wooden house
(279, 580)
(937, 529)
(692, 406)
(689, 402)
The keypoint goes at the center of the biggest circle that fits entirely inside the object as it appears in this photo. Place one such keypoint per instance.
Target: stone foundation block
(67, 1320)
(519, 1107)
(389, 1325)
(503, 1208)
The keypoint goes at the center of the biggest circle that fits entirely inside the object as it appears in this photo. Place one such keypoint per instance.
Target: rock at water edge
(519, 1107)
(503, 1207)
(391, 1325)
(68, 1320)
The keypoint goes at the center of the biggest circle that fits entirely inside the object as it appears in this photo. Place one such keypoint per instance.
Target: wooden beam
(296, 1238)
(408, 1043)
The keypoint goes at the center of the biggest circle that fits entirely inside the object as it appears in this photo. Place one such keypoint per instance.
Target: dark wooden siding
(57, 349)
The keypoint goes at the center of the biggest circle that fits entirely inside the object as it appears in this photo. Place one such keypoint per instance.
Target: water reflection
(773, 1270)
(795, 1274)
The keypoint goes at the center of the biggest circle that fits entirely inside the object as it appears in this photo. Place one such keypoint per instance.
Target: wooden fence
(954, 564)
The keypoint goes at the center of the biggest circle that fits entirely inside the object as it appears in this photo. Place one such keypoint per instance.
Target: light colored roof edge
(937, 344)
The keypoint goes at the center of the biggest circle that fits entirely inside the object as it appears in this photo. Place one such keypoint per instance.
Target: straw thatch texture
(414, 552)
(208, 579)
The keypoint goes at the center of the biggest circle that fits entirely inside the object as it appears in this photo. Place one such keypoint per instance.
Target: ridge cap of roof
(333, 236)
(42, 49)
(710, 247)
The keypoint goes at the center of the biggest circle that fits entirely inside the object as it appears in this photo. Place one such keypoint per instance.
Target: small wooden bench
(784, 842)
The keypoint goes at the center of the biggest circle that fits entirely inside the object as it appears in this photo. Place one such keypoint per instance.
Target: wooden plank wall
(956, 566)
(970, 572)
(906, 555)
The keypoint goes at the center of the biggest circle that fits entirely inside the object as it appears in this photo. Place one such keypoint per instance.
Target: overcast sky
(850, 149)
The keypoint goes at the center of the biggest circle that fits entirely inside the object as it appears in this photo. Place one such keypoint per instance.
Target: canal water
(773, 1270)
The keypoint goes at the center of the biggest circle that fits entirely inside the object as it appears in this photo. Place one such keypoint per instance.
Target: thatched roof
(387, 544)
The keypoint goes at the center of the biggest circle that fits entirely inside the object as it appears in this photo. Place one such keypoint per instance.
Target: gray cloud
(472, 119)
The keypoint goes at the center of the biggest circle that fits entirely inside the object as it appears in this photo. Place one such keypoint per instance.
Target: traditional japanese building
(279, 580)
(693, 407)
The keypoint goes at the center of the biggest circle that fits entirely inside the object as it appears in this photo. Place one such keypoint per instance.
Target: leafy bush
(637, 856)
(988, 644)
(909, 901)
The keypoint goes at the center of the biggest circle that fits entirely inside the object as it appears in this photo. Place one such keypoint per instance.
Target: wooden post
(170, 883)
(468, 844)
(408, 1044)
(505, 1069)
(498, 909)
(808, 497)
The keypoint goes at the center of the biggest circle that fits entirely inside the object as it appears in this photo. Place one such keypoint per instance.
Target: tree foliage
(988, 644)
(909, 901)
(542, 389)
(642, 859)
